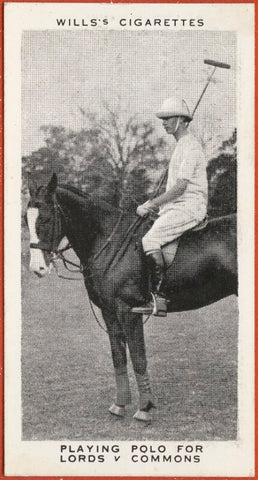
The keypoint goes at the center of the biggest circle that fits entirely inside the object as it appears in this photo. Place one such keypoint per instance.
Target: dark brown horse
(204, 270)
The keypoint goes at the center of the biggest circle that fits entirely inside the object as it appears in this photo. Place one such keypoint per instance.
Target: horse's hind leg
(118, 349)
(133, 328)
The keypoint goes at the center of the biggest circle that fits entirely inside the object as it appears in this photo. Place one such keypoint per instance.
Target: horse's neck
(86, 221)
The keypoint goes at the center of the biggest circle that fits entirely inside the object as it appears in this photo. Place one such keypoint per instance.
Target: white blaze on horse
(108, 244)
(37, 260)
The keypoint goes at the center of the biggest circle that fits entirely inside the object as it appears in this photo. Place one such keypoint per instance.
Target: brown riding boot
(158, 305)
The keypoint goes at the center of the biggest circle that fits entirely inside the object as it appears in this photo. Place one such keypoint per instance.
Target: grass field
(67, 372)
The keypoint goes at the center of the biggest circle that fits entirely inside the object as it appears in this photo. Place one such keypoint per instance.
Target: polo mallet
(215, 65)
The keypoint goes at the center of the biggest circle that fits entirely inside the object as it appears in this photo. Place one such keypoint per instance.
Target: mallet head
(216, 64)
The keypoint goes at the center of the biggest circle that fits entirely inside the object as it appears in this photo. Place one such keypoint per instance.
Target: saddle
(203, 224)
(169, 250)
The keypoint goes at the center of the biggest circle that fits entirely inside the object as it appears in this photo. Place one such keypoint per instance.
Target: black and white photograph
(129, 168)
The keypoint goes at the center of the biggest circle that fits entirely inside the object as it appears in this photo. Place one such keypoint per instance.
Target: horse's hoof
(117, 410)
(143, 416)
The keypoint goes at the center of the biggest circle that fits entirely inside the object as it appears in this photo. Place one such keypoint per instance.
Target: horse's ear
(32, 186)
(51, 188)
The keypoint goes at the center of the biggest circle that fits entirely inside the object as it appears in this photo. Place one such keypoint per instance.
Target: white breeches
(169, 226)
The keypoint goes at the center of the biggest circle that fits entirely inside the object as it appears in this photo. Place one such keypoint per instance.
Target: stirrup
(160, 306)
(157, 307)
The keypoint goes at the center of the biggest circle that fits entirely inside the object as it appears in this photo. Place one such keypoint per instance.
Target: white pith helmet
(174, 107)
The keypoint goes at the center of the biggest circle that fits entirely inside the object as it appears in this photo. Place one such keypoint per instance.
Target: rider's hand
(144, 209)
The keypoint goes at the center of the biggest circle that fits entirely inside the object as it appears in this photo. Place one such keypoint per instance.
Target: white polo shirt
(188, 162)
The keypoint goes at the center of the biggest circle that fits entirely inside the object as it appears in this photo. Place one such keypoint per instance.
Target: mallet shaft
(204, 90)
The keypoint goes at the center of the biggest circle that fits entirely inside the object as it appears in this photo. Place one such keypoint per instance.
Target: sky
(134, 71)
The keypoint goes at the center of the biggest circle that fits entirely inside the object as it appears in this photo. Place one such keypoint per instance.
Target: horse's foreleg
(133, 329)
(118, 349)
(123, 394)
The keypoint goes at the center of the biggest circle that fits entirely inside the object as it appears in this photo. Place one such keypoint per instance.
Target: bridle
(51, 247)
(56, 253)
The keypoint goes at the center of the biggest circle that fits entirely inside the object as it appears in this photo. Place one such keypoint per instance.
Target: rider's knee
(149, 244)
(144, 243)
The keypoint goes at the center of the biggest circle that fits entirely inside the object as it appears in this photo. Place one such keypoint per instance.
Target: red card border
(2, 242)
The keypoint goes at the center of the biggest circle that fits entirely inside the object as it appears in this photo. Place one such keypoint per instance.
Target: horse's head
(44, 225)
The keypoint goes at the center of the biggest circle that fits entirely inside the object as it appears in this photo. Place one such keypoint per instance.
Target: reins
(58, 254)
(124, 243)
(108, 241)
(133, 228)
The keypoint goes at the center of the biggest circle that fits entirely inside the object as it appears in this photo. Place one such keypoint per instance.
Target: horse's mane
(108, 208)
(94, 199)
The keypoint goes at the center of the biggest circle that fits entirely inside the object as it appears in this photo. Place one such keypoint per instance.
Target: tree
(222, 177)
(115, 157)
(209, 137)
(132, 150)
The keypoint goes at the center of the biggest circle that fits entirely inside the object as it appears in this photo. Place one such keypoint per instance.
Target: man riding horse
(181, 207)
(204, 270)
